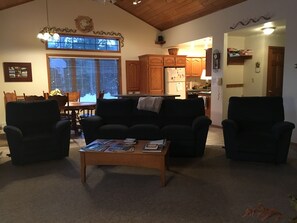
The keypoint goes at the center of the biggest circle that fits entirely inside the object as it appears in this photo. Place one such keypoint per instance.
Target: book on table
(108, 145)
(154, 145)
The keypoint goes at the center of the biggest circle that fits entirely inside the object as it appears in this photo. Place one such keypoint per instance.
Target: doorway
(275, 71)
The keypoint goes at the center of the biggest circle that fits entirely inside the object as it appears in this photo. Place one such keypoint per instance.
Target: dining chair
(84, 113)
(74, 96)
(10, 96)
(33, 97)
(63, 102)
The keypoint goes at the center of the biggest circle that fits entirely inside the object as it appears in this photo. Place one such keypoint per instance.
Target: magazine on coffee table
(108, 145)
(119, 147)
(154, 145)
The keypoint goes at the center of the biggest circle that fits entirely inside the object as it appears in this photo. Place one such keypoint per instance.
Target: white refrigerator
(175, 81)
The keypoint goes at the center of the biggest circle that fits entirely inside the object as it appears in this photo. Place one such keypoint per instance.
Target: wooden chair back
(10, 96)
(74, 96)
(62, 102)
(33, 97)
(101, 94)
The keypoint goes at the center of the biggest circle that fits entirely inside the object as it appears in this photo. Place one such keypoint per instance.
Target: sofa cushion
(177, 132)
(115, 111)
(177, 111)
(113, 131)
(142, 116)
(145, 131)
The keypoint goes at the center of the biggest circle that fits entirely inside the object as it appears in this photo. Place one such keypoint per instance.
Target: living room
(139, 39)
(208, 189)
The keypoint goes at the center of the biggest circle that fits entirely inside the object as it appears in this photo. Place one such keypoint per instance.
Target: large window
(89, 76)
(85, 43)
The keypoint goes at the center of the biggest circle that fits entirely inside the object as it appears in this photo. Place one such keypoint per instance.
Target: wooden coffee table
(138, 158)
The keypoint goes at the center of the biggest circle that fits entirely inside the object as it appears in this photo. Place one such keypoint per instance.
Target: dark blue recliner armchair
(256, 131)
(35, 132)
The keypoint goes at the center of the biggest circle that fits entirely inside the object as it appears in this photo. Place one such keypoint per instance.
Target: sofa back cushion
(143, 116)
(115, 111)
(181, 111)
(256, 112)
(33, 117)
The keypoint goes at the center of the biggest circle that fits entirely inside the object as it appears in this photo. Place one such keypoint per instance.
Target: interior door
(275, 71)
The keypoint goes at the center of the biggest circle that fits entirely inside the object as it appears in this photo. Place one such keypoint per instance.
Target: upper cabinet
(194, 66)
(174, 61)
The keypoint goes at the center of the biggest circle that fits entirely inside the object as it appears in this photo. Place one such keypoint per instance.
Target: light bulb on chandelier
(135, 2)
(48, 33)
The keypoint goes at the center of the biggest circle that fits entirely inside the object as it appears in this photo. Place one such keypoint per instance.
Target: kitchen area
(174, 74)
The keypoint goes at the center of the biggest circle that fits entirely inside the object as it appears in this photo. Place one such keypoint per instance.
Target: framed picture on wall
(17, 72)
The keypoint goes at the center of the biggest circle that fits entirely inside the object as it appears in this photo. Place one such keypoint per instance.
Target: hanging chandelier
(48, 33)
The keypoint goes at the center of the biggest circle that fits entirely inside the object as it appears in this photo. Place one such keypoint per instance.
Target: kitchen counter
(146, 95)
(198, 91)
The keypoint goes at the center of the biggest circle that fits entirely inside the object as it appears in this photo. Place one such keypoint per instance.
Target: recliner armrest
(282, 127)
(61, 126)
(230, 127)
(13, 131)
(200, 122)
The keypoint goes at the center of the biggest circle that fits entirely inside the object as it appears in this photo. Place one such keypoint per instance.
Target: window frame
(86, 50)
(48, 56)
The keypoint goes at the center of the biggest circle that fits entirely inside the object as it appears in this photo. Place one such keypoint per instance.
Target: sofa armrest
(90, 127)
(281, 128)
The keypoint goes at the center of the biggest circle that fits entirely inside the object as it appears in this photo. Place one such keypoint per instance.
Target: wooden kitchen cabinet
(132, 75)
(180, 61)
(151, 74)
(194, 66)
(174, 61)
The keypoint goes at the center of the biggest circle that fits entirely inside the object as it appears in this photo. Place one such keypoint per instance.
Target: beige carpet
(210, 189)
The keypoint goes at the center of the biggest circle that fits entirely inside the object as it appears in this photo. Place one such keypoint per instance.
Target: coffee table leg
(82, 167)
(162, 172)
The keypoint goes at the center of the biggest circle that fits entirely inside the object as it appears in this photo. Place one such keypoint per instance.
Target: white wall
(20, 25)
(219, 23)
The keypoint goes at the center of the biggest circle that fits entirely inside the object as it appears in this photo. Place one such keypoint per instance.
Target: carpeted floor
(210, 189)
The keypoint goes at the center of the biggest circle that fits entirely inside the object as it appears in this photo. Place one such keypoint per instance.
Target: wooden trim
(233, 85)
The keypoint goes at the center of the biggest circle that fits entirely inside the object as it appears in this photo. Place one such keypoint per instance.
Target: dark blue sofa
(183, 122)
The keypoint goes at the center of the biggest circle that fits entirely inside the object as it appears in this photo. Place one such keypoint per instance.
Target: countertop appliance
(175, 81)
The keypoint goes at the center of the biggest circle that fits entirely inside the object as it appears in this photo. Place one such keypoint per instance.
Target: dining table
(74, 108)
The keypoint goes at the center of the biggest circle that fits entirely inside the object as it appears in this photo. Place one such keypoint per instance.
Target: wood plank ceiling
(161, 14)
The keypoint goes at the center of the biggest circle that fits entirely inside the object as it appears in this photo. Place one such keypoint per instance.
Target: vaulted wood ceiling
(161, 14)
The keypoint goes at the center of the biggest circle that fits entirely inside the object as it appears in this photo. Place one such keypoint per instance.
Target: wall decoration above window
(84, 24)
(17, 72)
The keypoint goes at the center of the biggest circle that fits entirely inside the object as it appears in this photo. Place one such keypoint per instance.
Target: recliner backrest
(33, 117)
(260, 112)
